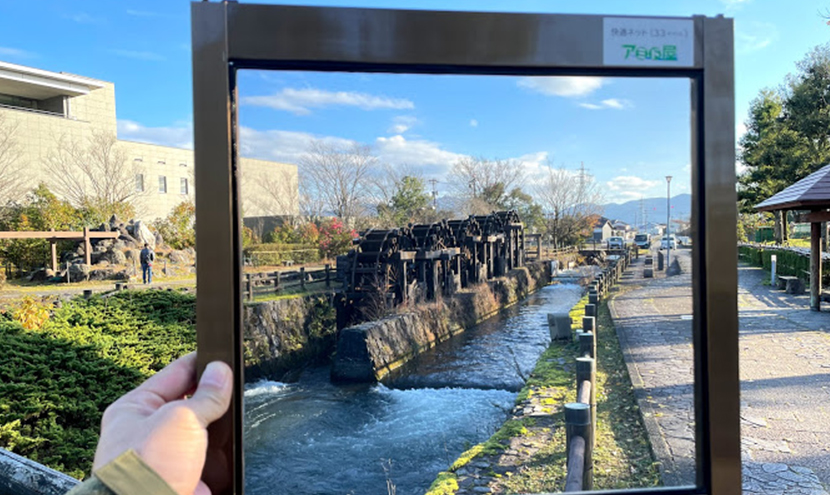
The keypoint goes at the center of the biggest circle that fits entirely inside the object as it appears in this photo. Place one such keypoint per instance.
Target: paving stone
(785, 388)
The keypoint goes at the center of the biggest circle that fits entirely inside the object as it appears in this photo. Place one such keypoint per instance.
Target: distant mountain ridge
(655, 209)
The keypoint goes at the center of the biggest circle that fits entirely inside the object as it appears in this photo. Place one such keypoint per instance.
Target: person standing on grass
(147, 258)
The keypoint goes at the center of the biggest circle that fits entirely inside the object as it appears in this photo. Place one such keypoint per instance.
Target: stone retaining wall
(283, 335)
(369, 351)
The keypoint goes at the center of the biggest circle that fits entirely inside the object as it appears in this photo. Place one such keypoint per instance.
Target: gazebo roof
(811, 192)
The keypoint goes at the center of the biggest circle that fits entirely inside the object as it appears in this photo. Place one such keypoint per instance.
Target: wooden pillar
(815, 266)
(53, 246)
(87, 247)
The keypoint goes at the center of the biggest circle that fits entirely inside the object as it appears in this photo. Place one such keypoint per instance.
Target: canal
(311, 437)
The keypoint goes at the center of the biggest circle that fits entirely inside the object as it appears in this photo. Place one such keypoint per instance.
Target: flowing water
(315, 438)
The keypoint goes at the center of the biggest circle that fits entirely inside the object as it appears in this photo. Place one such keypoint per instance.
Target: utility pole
(434, 194)
(668, 222)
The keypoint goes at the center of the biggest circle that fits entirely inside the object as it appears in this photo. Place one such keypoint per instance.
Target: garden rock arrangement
(118, 259)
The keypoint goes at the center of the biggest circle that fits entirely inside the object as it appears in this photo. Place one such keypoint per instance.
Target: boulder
(143, 235)
(100, 274)
(131, 254)
(115, 257)
(119, 245)
(190, 252)
(159, 239)
(41, 275)
(104, 227)
(114, 222)
(128, 240)
(179, 257)
(79, 272)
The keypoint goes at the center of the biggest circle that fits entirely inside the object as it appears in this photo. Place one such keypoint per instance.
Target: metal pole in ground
(668, 220)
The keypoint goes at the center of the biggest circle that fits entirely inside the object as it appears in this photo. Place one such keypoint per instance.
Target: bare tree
(483, 182)
(94, 173)
(571, 200)
(12, 168)
(337, 178)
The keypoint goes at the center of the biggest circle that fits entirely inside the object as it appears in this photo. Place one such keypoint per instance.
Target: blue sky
(629, 133)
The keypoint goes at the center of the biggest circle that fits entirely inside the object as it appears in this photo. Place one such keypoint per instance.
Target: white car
(668, 243)
(616, 243)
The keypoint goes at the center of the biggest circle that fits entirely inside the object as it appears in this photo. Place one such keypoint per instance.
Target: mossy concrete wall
(286, 334)
(369, 351)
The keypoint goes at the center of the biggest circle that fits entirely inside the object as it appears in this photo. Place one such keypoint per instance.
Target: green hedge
(55, 382)
(788, 262)
(275, 254)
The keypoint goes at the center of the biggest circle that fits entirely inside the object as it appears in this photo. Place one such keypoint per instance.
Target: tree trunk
(785, 227)
(776, 227)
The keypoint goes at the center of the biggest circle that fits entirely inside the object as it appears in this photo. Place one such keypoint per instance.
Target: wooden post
(578, 424)
(53, 246)
(302, 278)
(87, 247)
(815, 266)
(277, 277)
(328, 275)
(586, 344)
(249, 288)
(586, 369)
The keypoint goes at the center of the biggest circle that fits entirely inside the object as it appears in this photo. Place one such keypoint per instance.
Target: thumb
(213, 395)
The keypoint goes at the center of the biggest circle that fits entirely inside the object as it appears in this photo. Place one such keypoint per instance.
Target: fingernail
(216, 375)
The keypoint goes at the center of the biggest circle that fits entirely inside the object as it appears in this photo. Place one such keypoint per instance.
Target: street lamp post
(668, 222)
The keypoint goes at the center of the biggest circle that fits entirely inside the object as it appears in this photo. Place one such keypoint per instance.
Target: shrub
(275, 254)
(788, 262)
(335, 239)
(56, 381)
(177, 229)
(31, 314)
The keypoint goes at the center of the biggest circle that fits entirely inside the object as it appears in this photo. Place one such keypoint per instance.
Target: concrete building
(49, 111)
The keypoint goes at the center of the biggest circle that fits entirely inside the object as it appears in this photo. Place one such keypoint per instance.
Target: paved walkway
(785, 385)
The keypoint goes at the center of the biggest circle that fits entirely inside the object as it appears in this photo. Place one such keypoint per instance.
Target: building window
(162, 184)
(183, 185)
(139, 182)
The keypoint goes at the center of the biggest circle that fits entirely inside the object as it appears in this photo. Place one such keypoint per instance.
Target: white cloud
(740, 130)
(401, 124)
(281, 146)
(178, 136)
(752, 36)
(6, 51)
(427, 155)
(138, 55)
(473, 123)
(567, 86)
(612, 103)
(301, 101)
(627, 187)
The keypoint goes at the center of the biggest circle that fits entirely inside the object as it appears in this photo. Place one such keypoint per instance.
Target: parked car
(616, 243)
(668, 242)
(642, 241)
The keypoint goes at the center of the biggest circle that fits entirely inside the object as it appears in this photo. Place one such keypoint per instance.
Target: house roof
(811, 192)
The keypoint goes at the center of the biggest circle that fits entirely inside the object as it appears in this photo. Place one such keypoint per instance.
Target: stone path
(785, 385)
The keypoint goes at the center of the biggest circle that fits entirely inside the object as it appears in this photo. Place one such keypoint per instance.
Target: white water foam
(264, 387)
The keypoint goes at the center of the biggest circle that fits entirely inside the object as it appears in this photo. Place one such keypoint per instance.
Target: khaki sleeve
(126, 475)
